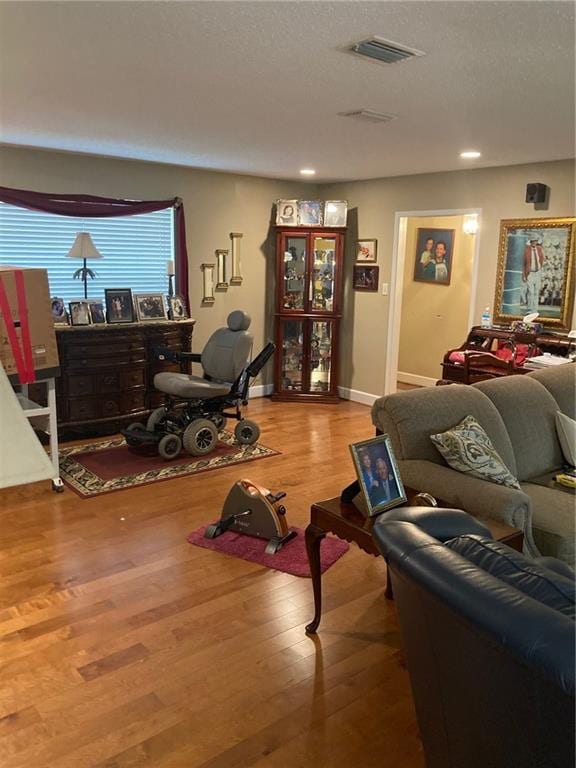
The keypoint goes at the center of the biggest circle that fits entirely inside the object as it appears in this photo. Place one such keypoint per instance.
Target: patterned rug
(292, 558)
(110, 465)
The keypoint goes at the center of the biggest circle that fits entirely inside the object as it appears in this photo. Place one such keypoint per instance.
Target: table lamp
(84, 248)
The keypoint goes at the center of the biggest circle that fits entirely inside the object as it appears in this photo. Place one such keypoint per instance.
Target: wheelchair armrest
(172, 356)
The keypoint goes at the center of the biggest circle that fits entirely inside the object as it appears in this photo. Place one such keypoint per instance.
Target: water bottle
(486, 320)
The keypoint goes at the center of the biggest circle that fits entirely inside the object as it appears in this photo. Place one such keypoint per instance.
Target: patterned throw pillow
(467, 448)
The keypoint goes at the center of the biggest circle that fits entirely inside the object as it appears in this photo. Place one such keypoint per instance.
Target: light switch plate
(384, 289)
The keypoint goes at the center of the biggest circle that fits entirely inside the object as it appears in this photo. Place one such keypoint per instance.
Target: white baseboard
(413, 378)
(261, 390)
(356, 396)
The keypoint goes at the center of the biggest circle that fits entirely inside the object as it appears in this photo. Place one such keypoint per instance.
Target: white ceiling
(256, 87)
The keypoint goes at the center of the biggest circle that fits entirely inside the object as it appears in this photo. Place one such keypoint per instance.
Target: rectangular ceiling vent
(368, 116)
(384, 50)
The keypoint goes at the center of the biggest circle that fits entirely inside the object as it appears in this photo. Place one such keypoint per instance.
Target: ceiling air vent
(384, 50)
(368, 116)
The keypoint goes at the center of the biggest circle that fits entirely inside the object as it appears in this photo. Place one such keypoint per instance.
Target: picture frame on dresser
(150, 306)
(119, 305)
(80, 312)
(97, 311)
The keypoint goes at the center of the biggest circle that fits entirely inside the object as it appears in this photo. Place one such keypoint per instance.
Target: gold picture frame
(535, 271)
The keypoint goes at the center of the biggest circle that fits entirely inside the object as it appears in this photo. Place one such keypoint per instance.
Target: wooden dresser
(107, 372)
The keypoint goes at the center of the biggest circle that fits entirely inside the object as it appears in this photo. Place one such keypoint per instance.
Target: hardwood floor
(121, 645)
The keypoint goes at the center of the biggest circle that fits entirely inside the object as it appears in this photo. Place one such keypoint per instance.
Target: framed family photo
(535, 271)
(287, 213)
(58, 309)
(150, 306)
(335, 213)
(365, 278)
(80, 312)
(378, 475)
(366, 251)
(310, 212)
(433, 258)
(119, 305)
(97, 311)
(177, 309)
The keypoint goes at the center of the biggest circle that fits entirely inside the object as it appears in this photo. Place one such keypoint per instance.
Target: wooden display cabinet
(309, 266)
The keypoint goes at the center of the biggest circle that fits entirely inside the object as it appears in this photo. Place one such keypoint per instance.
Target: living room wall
(499, 192)
(215, 205)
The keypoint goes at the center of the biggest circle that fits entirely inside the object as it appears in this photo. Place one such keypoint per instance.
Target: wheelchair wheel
(155, 418)
(218, 420)
(136, 426)
(169, 446)
(246, 432)
(200, 437)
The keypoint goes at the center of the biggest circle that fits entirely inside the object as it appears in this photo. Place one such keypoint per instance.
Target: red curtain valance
(90, 206)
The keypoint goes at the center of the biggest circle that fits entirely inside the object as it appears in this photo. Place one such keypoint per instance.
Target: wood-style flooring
(122, 645)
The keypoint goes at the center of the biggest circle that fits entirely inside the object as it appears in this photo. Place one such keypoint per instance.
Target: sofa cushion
(566, 431)
(411, 417)
(529, 411)
(560, 381)
(542, 584)
(553, 520)
(468, 449)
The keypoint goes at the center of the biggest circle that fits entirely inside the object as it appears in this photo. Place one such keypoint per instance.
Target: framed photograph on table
(434, 254)
(536, 271)
(378, 476)
(366, 251)
(177, 309)
(119, 305)
(58, 309)
(365, 278)
(97, 311)
(150, 306)
(80, 313)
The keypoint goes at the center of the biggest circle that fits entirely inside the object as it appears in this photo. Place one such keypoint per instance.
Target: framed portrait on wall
(365, 278)
(366, 250)
(434, 255)
(535, 271)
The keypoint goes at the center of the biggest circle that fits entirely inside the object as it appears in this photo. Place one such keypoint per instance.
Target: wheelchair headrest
(238, 320)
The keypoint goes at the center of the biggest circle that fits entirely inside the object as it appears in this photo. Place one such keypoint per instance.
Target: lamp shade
(83, 248)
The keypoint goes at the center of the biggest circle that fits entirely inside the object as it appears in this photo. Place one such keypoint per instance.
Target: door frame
(397, 283)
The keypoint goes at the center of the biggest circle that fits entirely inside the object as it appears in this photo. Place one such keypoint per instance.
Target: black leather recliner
(489, 637)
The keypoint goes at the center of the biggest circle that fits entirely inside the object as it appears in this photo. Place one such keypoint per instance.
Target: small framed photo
(58, 308)
(310, 212)
(97, 312)
(365, 278)
(287, 213)
(80, 313)
(177, 309)
(433, 257)
(378, 475)
(119, 305)
(366, 251)
(150, 306)
(335, 212)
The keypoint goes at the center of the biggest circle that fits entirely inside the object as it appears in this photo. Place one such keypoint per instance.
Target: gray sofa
(518, 413)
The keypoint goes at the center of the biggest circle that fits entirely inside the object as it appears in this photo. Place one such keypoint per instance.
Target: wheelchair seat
(223, 359)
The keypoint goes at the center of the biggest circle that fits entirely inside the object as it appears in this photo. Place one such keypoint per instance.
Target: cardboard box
(40, 323)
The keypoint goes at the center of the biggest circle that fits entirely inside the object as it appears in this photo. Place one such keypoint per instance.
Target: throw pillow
(566, 430)
(467, 448)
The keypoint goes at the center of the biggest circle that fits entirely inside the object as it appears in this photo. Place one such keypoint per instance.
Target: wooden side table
(346, 522)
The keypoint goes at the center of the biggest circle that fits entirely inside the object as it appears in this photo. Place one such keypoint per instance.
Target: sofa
(518, 414)
(489, 641)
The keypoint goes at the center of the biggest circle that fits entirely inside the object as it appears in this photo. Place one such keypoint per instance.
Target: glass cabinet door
(293, 274)
(291, 374)
(321, 355)
(323, 274)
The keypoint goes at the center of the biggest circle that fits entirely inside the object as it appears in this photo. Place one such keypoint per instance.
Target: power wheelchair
(196, 408)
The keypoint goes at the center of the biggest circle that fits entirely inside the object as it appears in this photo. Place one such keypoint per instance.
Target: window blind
(134, 249)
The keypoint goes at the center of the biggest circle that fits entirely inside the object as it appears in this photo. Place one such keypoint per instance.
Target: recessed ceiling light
(308, 172)
(470, 154)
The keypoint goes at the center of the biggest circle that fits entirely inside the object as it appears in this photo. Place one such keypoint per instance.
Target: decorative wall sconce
(236, 278)
(470, 224)
(208, 283)
(221, 257)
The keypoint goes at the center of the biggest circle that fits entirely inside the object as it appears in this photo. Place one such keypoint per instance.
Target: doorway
(433, 301)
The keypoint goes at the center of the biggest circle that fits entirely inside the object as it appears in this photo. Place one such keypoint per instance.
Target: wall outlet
(384, 289)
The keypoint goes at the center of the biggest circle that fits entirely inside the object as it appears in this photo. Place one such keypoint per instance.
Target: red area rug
(111, 465)
(292, 558)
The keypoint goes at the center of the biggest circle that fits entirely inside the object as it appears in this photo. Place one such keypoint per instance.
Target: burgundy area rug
(292, 558)
(111, 465)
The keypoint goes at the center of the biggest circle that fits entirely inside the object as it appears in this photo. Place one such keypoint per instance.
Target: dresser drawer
(107, 382)
(110, 406)
(80, 410)
(113, 349)
(135, 377)
(109, 361)
(134, 401)
(80, 385)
